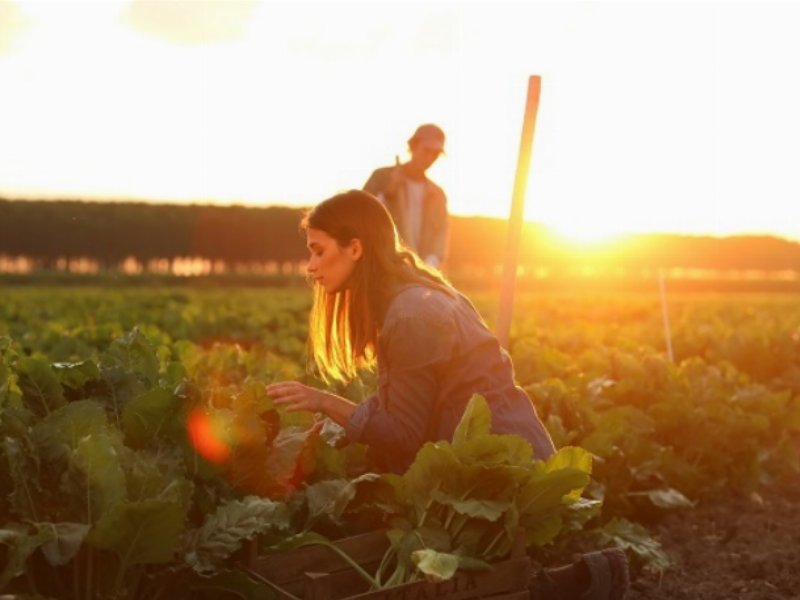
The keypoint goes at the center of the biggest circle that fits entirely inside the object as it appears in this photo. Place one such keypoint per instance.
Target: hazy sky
(654, 116)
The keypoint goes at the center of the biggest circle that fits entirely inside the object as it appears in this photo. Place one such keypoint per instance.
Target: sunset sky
(654, 116)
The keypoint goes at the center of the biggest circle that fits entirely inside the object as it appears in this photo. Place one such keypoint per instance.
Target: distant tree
(244, 236)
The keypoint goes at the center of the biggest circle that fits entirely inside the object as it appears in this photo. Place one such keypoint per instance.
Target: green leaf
(10, 394)
(332, 433)
(435, 538)
(146, 531)
(331, 497)
(26, 496)
(469, 563)
(405, 542)
(476, 421)
(479, 491)
(39, 384)
(615, 425)
(232, 523)
(328, 497)
(541, 527)
(128, 367)
(77, 374)
(434, 467)
(133, 353)
(66, 541)
(151, 473)
(489, 449)
(545, 490)
(97, 457)
(436, 566)
(291, 459)
(570, 459)
(6, 346)
(147, 415)
(60, 432)
(548, 491)
(489, 510)
(21, 544)
(580, 512)
(634, 537)
(553, 486)
(379, 497)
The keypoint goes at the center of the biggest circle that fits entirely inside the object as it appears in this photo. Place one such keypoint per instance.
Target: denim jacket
(434, 234)
(434, 352)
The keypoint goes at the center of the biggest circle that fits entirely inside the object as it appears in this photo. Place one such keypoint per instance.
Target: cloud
(191, 21)
(11, 24)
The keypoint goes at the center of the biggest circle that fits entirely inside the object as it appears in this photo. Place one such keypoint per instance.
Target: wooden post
(517, 211)
(665, 315)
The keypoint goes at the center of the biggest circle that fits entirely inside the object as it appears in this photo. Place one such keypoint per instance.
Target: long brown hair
(343, 325)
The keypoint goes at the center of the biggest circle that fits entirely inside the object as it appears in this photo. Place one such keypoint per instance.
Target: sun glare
(585, 234)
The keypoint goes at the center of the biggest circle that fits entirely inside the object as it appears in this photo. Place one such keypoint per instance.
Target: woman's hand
(296, 396)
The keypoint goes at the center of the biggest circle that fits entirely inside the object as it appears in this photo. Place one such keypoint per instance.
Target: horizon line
(258, 204)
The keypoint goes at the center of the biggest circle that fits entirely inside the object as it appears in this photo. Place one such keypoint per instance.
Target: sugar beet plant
(462, 504)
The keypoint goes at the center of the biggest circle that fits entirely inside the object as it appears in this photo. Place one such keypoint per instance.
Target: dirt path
(742, 548)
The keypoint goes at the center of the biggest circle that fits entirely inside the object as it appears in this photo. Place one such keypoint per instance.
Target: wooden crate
(318, 573)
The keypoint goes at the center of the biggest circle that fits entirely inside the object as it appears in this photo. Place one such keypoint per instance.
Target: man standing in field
(418, 206)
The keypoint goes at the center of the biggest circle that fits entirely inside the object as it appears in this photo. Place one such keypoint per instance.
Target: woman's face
(330, 264)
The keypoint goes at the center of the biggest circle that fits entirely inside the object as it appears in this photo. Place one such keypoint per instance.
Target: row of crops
(141, 454)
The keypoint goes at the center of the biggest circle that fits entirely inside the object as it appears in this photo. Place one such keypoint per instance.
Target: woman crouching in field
(376, 301)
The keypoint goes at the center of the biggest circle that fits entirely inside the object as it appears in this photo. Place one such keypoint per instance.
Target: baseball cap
(429, 136)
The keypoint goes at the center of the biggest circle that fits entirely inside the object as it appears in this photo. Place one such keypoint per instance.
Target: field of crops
(140, 452)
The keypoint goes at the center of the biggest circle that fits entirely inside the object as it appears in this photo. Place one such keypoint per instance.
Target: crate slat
(318, 573)
(506, 576)
(288, 566)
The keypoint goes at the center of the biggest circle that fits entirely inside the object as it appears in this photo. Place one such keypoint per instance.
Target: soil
(738, 548)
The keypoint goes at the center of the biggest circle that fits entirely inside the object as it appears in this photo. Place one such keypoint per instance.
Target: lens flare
(208, 437)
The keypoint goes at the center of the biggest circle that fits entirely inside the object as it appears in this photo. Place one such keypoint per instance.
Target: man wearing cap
(417, 205)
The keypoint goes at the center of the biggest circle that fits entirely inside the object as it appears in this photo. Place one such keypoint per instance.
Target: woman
(374, 301)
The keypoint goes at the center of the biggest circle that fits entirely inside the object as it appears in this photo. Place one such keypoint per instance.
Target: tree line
(47, 232)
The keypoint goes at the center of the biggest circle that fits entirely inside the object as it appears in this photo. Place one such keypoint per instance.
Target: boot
(601, 575)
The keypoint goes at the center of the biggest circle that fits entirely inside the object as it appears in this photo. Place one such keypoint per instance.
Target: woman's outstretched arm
(297, 396)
